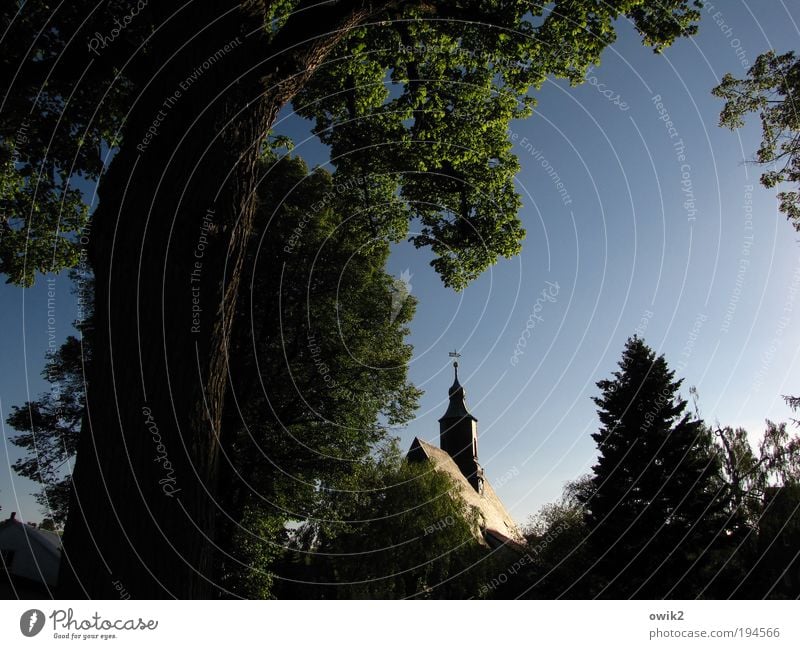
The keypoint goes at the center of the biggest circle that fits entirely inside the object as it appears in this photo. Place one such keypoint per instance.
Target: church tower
(458, 434)
(457, 458)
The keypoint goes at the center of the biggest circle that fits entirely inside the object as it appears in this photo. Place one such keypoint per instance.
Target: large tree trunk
(167, 245)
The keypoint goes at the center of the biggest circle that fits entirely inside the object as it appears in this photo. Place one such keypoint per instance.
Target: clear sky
(667, 231)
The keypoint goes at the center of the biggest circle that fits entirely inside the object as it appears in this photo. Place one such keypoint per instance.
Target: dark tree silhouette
(764, 502)
(50, 428)
(556, 538)
(318, 370)
(657, 506)
(50, 425)
(776, 571)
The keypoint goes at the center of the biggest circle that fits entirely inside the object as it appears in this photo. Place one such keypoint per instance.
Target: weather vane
(456, 355)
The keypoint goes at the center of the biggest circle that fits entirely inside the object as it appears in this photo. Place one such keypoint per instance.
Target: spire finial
(456, 355)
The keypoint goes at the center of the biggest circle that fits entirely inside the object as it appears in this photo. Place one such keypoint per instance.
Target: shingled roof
(496, 525)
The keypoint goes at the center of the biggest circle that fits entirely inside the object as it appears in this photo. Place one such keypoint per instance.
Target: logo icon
(31, 622)
(401, 289)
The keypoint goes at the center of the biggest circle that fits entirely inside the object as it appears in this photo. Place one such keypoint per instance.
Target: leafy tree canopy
(318, 366)
(49, 428)
(771, 89)
(396, 530)
(50, 425)
(416, 101)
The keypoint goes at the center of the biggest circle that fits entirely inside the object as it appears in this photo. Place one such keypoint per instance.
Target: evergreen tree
(656, 511)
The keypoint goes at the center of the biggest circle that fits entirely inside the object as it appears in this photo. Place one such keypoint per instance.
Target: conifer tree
(656, 512)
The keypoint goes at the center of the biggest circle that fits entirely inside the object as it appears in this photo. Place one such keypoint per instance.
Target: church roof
(497, 526)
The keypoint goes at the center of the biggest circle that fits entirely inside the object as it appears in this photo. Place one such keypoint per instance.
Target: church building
(457, 456)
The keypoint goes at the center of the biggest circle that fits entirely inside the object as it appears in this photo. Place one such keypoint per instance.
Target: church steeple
(458, 433)
(458, 406)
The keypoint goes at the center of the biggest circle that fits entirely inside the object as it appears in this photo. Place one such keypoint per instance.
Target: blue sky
(637, 238)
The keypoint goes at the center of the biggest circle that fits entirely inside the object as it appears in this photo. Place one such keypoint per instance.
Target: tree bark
(168, 241)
